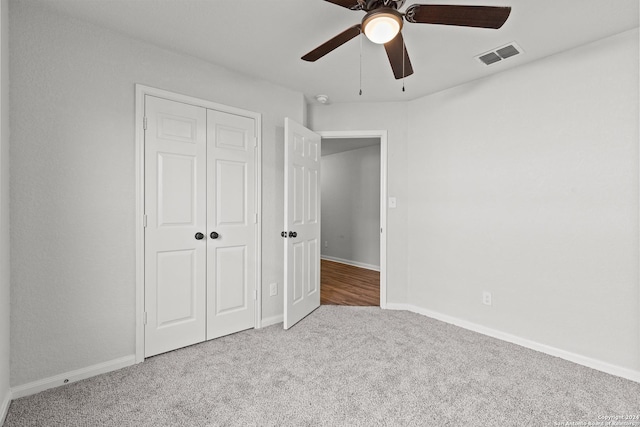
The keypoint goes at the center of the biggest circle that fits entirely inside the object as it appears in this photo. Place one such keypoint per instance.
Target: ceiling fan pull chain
(360, 63)
(403, 62)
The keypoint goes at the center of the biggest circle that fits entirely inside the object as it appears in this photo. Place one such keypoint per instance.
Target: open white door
(301, 222)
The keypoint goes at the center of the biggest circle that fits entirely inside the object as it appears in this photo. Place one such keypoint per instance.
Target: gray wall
(525, 184)
(72, 183)
(351, 206)
(4, 206)
(392, 117)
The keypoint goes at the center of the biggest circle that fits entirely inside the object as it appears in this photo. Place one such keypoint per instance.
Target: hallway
(343, 284)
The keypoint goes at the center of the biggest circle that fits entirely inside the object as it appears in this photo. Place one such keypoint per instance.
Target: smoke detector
(322, 99)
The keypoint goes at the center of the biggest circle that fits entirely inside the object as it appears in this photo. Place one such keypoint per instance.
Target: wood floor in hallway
(343, 284)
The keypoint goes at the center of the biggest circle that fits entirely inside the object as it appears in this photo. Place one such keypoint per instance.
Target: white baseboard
(353, 263)
(4, 407)
(272, 320)
(73, 376)
(596, 364)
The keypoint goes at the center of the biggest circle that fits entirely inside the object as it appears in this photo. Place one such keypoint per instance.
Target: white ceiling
(266, 38)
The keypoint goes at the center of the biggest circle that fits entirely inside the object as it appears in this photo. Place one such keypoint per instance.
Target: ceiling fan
(382, 24)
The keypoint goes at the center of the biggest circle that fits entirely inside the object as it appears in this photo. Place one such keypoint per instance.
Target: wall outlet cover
(486, 298)
(273, 289)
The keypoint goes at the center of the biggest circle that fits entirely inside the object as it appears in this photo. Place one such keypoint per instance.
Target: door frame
(140, 92)
(382, 134)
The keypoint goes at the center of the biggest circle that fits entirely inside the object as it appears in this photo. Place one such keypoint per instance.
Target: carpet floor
(341, 366)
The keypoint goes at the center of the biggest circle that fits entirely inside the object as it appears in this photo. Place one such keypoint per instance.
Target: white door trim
(141, 91)
(382, 134)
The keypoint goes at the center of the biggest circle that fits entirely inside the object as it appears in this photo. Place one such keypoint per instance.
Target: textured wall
(73, 175)
(4, 204)
(525, 184)
(392, 117)
(351, 205)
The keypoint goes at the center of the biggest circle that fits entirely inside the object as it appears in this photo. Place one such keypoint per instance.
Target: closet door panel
(231, 279)
(175, 206)
(232, 216)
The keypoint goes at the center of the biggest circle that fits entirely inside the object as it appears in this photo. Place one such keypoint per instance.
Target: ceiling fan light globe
(382, 26)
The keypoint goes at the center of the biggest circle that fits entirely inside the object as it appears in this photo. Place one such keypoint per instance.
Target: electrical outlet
(486, 298)
(273, 289)
(326, 243)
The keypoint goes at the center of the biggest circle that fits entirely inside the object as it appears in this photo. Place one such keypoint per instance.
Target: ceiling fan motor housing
(380, 12)
(368, 5)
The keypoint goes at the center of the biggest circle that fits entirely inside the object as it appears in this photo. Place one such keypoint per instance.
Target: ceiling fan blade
(349, 4)
(397, 53)
(464, 16)
(332, 44)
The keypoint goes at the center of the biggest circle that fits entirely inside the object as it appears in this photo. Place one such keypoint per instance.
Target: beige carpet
(356, 366)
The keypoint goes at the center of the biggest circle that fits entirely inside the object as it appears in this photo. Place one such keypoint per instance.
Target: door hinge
(144, 123)
(255, 294)
(144, 318)
(255, 142)
(255, 218)
(144, 221)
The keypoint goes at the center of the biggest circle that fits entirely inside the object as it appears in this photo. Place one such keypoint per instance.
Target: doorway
(350, 240)
(353, 234)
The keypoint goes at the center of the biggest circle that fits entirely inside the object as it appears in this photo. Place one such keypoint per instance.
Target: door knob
(214, 235)
(293, 234)
(199, 236)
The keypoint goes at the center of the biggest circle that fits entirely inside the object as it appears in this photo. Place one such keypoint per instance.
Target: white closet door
(175, 206)
(231, 223)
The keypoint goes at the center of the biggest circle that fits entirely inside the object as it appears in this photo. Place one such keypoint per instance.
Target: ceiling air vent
(500, 53)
